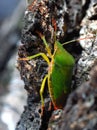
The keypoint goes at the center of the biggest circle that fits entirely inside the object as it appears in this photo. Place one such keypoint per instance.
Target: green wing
(61, 73)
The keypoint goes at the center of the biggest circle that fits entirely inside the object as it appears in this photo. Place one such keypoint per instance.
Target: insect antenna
(79, 39)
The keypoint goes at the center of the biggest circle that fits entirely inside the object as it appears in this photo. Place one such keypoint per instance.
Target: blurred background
(12, 94)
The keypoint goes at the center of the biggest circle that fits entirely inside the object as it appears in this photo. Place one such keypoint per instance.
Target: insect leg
(45, 43)
(47, 46)
(42, 90)
(36, 55)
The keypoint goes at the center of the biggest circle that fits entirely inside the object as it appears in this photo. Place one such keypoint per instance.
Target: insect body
(59, 75)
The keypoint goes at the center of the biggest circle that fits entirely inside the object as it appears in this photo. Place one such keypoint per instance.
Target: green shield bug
(59, 75)
(60, 69)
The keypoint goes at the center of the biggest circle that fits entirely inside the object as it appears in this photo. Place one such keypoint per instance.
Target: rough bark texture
(81, 104)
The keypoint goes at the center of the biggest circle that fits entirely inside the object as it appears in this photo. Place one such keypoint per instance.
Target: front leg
(37, 55)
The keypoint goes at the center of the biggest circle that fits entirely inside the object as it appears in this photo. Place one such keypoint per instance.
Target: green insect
(59, 76)
(60, 69)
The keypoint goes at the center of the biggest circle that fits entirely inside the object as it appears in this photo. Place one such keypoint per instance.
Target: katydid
(60, 69)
